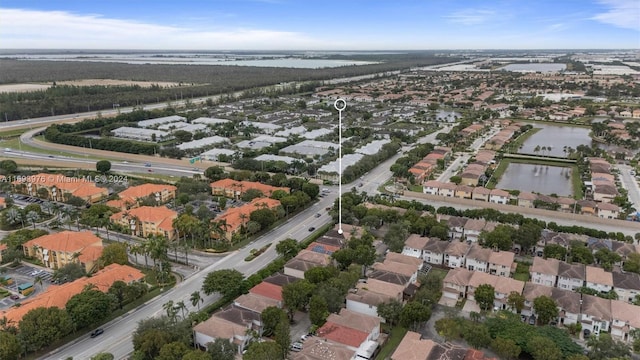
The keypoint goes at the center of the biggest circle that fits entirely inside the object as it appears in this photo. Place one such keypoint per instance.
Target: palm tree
(170, 309)
(196, 299)
(182, 307)
(38, 281)
(32, 217)
(14, 216)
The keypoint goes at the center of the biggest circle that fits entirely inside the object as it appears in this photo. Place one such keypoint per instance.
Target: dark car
(312, 229)
(318, 215)
(97, 332)
(14, 297)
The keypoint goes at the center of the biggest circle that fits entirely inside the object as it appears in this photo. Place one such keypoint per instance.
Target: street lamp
(340, 105)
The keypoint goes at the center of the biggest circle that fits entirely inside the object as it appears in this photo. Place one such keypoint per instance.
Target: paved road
(117, 337)
(629, 182)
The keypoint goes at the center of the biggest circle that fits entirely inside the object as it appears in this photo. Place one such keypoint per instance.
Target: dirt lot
(85, 82)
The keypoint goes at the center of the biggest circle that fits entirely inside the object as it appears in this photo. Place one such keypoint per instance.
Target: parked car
(97, 332)
(14, 297)
(312, 229)
(296, 346)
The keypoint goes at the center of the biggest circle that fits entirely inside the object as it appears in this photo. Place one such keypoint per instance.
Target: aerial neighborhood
(490, 209)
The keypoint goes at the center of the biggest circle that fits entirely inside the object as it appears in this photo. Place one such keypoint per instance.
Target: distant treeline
(197, 81)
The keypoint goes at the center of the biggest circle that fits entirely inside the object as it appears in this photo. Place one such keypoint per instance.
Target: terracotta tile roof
(413, 348)
(458, 276)
(501, 284)
(234, 216)
(457, 248)
(243, 186)
(502, 258)
(342, 334)
(120, 203)
(154, 214)
(403, 259)
(479, 190)
(268, 290)
(76, 186)
(382, 287)
(83, 242)
(58, 295)
(475, 224)
(545, 266)
(144, 190)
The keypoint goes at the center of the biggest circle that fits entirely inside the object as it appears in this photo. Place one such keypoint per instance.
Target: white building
(160, 121)
(127, 132)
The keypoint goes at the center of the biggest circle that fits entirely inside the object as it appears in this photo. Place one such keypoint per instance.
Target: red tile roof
(243, 186)
(342, 334)
(268, 290)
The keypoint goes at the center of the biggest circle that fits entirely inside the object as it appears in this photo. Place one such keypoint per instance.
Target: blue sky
(320, 25)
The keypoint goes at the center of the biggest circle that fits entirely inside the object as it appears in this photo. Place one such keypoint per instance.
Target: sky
(319, 25)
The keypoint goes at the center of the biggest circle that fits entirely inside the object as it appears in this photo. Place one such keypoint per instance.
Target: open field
(25, 87)
(10, 88)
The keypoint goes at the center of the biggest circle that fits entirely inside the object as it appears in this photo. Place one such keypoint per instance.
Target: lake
(537, 178)
(557, 137)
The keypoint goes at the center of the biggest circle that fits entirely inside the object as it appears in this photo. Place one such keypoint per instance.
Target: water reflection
(542, 179)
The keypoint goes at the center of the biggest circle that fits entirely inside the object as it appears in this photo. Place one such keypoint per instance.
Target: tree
(396, 237)
(516, 301)
(555, 251)
(69, 272)
(222, 349)
(228, 282)
(287, 248)
(543, 348)
(41, 327)
(103, 166)
(632, 263)
(197, 355)
(89, 307)
(102, 356)
(32, 217)
(582, 254)
(390, 311)
(413, 314)
(477, 335)
(196, 299)
(485, 295)
(499, 238)
(214, 173)
(264, 217)
(118, 289)
(10, 347)
(282, 337)
(114, 253)
(296, 295)
(8, 167)
(173, 350)
(321, 274)
(603, 347)
(546, 309)
(271, 316)
(506, 348)
(318, 310)
(606, 258)
(267, 350)
(527, 235)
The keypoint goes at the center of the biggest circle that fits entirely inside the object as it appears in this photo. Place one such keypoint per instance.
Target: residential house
(454, 284)
(305, 260)
(499, 196)
(626, 285)
(608, 211)
(598, 279)
(596, 314)
(280, 279)
(568, 303)
(60, 188)
(456, 226)
(413, 347)
(464, 192)
(350, 328)
(481, 194)
(433, 251)
(268, 290)
(455, 254)
(59, 249)
(256, 303)
(234, 324)
(447, 189)
(391, 290)
(393, 257)
(235, 218)
(473, 228)
(567, 204)
(571, 276)
(588, 207)
(604, 193)
(365, 301)
(503, 286)
(234, 189)
(527, 199)
(530, 292)
(502, 263)
(544, 271)
(625, 318)
(3, 248)
(161, 193)
(490, 261)
(414, 245)
(431, 187)
(147, 221)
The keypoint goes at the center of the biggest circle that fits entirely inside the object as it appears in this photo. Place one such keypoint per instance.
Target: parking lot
(22, 274)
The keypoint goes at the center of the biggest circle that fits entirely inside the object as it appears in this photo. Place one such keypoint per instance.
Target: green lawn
(397, 333)
(522, 272)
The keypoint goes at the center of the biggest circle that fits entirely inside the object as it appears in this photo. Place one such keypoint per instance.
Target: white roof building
(269, 157)
(159, 121)
(269, 139)
(314, 134)
(267, 127)
(347, 160)
(210, 121)
(140, 134)
(213, 154)
(291, 131)
(196, 144)
(372, 147)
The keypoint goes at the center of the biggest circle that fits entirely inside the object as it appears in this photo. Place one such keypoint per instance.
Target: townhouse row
(593, 313)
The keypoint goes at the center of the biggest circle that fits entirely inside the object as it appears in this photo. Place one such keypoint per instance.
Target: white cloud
(58, 29)
(621, 13)
(471, 16)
